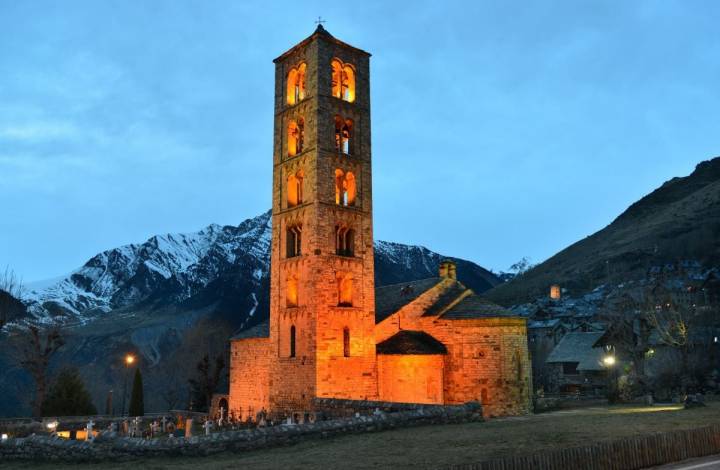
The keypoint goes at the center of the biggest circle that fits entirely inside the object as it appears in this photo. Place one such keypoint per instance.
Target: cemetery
(196, 434)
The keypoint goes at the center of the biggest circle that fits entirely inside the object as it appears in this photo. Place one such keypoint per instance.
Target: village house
(332, 333)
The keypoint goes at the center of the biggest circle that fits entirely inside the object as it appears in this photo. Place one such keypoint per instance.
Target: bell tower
(322, 304)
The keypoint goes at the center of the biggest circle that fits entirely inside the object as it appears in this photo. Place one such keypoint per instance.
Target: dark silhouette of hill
(678, 221)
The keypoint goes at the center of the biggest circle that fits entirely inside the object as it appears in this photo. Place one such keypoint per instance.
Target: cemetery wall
(36, 448)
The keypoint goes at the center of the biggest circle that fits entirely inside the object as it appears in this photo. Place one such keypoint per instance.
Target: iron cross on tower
(319, 21)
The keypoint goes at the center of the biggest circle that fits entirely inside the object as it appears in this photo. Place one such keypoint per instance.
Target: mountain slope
(678, 221)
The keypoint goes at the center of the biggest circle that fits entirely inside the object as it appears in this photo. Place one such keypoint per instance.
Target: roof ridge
(408, 282)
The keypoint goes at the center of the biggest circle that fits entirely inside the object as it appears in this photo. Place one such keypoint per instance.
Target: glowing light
(52, 425)
(609, 360)
(129, 359)
(4, 437)
(555, 292)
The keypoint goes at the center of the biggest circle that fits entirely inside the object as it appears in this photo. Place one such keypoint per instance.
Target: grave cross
(89, 429)
(136, 426)
(207, 426)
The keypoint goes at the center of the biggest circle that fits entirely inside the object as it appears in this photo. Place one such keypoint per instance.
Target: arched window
(345, 290)
(294, 240)
(295, 137)
(344, 241)
(292, 341)
(343, 135)
(343, 81)
(296, 84)
(345, 188)
(346, 342)
(291, 296)
(295, 189)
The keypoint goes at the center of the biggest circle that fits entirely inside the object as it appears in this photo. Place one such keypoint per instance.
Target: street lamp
(129, 359)
(609, 362)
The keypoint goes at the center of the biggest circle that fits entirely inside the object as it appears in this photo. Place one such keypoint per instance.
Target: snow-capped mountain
(161, 272)
(220, 268)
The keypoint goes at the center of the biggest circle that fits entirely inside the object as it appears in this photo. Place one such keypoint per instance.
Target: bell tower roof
(319, 33)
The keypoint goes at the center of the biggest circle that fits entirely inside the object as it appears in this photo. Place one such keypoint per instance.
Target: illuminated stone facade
(321, 339)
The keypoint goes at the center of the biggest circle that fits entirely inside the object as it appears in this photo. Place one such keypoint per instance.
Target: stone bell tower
(322, 305)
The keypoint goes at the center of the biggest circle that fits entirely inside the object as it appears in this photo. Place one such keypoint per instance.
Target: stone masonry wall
(487, 358)
(249, 377)
(39, 448)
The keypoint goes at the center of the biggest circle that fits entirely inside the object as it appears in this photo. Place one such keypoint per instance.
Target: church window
(291, 297)
(343, 135)
(296, 84)
(343, 81)
(294, 240)
(295, 189)
(345, 188)
(344, 241)
(345, 290)
(292, 341)
(296, 137)
(346, 342)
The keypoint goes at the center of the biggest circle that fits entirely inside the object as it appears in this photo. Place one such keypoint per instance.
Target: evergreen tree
(68, 396)
(137, 403)
(205, 384)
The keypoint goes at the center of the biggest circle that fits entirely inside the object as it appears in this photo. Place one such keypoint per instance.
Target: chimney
(448, 269)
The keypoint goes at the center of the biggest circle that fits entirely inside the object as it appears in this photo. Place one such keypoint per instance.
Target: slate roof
(390, 299)
(474, 306)
(258, 331)
(578, 347)
(320, 32)
(551, 323)
(411, 342)
(448, 296)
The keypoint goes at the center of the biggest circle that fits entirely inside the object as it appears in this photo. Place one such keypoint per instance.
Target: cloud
(40, 131)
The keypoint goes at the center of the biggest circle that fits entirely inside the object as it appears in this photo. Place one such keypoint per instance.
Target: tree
(628, 330)
(11, 290)
(522, 266)
(137, 402)
(673, 321)
(36, 346)
(68, 396)
(205, 384)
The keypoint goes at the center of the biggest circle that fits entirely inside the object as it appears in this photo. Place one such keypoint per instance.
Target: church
(332, 333)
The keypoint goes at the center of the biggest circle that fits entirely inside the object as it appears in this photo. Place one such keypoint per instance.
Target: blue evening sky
(500, 129)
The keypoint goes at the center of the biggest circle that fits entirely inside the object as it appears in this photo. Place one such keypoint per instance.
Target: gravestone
(188, 428)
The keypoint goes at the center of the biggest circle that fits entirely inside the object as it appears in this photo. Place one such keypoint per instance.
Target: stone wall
(411, 377)
(249, 377)
(487, 358)
(38, 448)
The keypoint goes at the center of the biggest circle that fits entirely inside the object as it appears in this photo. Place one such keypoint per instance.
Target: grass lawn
(435, 446)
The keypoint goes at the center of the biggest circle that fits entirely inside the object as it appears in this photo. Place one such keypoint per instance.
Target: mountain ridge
(680, 220)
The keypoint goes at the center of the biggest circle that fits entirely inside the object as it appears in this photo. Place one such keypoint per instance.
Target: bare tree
(173, 389)
(672, 320)
(11, 290)
(522, 266)
(628, 329)
(36, 344)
